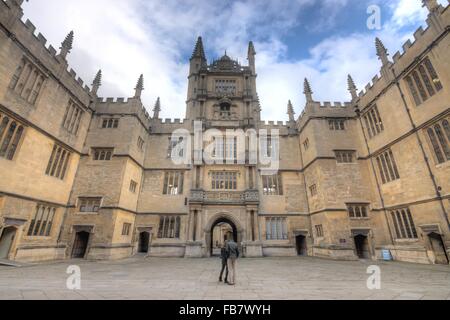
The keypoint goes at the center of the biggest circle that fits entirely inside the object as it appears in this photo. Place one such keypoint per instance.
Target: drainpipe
(427, 162)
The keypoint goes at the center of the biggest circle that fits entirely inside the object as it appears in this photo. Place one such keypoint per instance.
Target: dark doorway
(144, 240)
(6, 241)
(300, 241)
(362, 246)
(216, 240)
(80, 245)
(438, 248)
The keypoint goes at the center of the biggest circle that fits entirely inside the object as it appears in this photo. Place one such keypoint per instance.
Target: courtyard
(295, 278)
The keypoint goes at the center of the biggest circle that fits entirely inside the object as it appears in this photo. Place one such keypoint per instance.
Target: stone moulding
(224, 197)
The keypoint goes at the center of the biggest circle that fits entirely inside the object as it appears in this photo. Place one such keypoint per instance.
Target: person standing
(224, 257)
(233, 255)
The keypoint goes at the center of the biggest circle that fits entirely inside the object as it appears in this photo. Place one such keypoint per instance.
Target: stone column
(190, 228)
(257, 226)
(199, 224)
(248, 227)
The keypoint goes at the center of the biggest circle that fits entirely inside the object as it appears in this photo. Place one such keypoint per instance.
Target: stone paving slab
(297, 278)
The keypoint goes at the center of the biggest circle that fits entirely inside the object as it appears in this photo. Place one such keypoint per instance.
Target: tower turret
(198, 59)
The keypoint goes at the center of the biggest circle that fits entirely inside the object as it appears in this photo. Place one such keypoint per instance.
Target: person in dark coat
(224, 257)
(233, 254)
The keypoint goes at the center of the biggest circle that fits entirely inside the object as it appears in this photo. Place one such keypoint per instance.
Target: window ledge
(406, 240)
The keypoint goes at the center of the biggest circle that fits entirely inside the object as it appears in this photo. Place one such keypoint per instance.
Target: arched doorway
(6, 241)
(144, 241)
(362, 246)
(222, 229)
(80, 244)
(437, 244)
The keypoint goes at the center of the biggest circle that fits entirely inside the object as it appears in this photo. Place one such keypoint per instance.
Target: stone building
(87, 177)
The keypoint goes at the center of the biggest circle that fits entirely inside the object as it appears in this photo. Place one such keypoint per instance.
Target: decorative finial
(291, 112)
(251, 49)
(97, 82)
(382, 52)
(307, 91)
(139, 87)
(352, 87)
(258, 104)
(66, 45)
(157, 109)
(199, 51)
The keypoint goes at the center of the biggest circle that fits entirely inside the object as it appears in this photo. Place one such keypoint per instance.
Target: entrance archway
(80, 244)
(437, 244)
(300, 241)
(144, 241)
(6, 241)
(362, 246)
(222, 219)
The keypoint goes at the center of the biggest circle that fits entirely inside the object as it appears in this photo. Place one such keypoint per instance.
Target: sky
(322, 40)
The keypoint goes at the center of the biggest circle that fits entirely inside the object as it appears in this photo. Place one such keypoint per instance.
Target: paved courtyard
(196, 279)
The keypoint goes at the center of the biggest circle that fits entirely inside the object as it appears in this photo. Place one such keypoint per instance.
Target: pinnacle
(199, 51)
(381, 49)
(98, 79)
(307, 87)
(351, 84)
(157, 105)
(68, 41)
(140, 83)
(251, 49)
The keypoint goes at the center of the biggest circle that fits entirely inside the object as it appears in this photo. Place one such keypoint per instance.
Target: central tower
(223, 93)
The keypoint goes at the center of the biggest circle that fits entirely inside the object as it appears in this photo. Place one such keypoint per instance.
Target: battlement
(273, 124)
(402, 59)
(110, 100)
(36, 43)
(53, 53)
(334, 105)
(172, 121)
(121, 104)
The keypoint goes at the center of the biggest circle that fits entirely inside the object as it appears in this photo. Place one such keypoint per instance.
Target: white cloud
(128, 37)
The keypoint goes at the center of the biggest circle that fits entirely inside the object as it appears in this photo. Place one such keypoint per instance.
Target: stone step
(9, 263)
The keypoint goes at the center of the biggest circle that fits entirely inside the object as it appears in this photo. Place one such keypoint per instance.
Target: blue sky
(323, 40)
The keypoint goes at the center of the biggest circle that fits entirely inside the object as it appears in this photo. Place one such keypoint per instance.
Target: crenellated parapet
(123, 106)
(168, 126)
(35, 47)
(437, 23)
(281, 126)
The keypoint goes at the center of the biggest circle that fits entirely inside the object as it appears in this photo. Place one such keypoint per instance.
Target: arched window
(446, 126)
(7, 139)
(15, 143)
(435, 144)
(442, 141)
